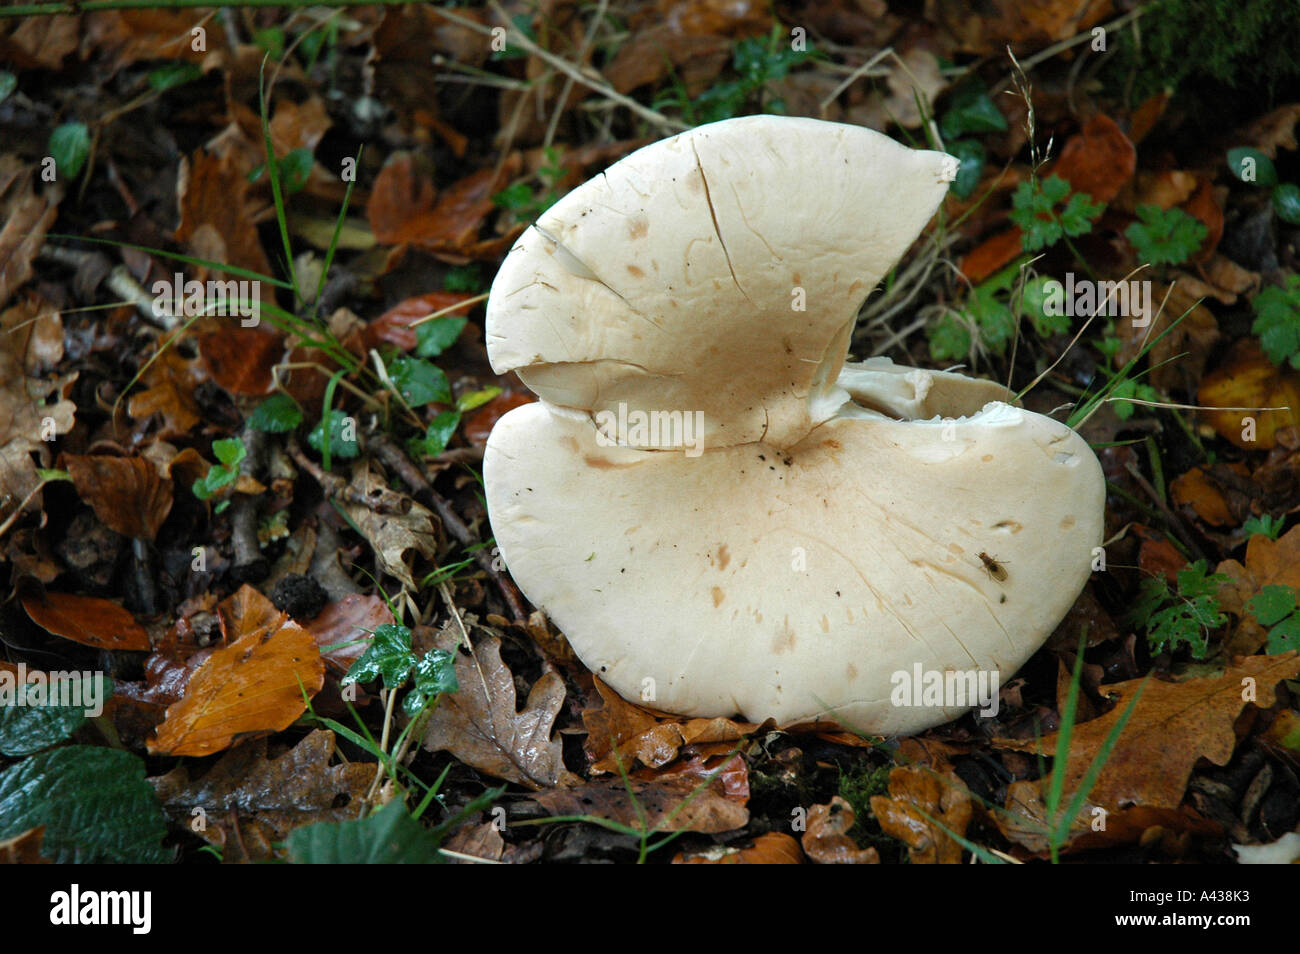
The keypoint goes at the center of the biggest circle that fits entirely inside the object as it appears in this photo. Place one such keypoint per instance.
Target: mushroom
(721, 514)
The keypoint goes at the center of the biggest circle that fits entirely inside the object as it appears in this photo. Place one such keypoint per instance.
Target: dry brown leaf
(774, 848)
(707, 810)
(87, 620)
(1268, 562)
(1173, 725)
(127, 493)
(249, 801)
(917, 77)
(215, 221)
(827, 840)
(40, 42)
(348, 621)
(481, 841)
(480, 725)
(24, 849)
(396, 537)
(915, 792)
(240, 359)
(256, 685)
(169, 382)
(1098, 160)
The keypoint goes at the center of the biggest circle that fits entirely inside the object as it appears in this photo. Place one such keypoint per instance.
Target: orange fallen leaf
(1098, 160)
(169, 382)
(827, 840)
(256, 685)
(1248, 379)
(774, 848)
(240, 359)
(393, 326)
(215, 224)
(88, 620)
(669, 803)
(915, 792)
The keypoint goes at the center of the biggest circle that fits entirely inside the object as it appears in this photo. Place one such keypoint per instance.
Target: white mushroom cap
(836, 541)
(669, 280)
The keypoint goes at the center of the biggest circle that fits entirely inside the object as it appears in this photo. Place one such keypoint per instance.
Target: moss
(856, 788)
(1244, 48)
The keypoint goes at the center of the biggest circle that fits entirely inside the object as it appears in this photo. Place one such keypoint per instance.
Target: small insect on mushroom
(993, 568)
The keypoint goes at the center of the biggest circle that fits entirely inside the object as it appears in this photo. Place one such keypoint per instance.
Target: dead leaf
(40, 42)
(916, 78)
(256, 685)
(24, 849)
(401, 200)
(1196, 491)
(1247, 379)
(1098, 160)
(128, 494)
(87, 620)
(481, 841)
(393, 326)
(1272, 131)
(250, 801)
(348, 621)
(480, 725)
(169, 382)
(1173, 725)
(827, 840)
(240, 359)
(708, 810)
(214, 215)
(1268, 563)
(774, 848)
(396, 537)
(914, 793)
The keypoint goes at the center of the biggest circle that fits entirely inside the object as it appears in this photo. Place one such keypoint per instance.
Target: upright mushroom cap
(828, 526)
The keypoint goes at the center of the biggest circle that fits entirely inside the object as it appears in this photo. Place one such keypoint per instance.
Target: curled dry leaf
(672, 802)
(774, 848)
(1173, 725)
(480, 725)
(27, 217)
(215, 221)
(827, 840)
(169, 382)
(917, 791)
(24, 849)
(482, 841)
(1268, 562)
(398, 536)
(88, 620)
(1098, 160)
(240, 359)
(1247, 379)
(251, 801)
(256, 685)
(128, 494)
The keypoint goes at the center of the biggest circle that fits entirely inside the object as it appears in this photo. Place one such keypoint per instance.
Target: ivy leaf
(440, 431)
(435, 674)
(70, 147)
(419, 382)
(388, 657)
(1286, 202)
(341, 444)
(1165, 236)
(174, 74)
(972, 158)
(1252, 166)
(278, 414)
(1277, 321)
(435, 337)
(971, 110)
(388, 837)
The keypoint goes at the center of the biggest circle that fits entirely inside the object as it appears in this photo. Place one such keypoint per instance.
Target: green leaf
(1078, 215)
(1286, 202)
(971, 111)
(463, 278)
(340, 443)
(70, 147)
(172, 75)
(1272, 604)
(278, 414)
(94, 802)
(441, 428)
(515, 198)
(388, 837)
(231, 451)
(1277, 321)
(1252, 166)
(971, 157)
(1285, 636)
(435, 337)
(8, 83)
(435, 674)
(48, 474)
(388, 657)
(473, 399)
(1165, 236)
(1033, 305)
(270, 40)
(1034, 211)
(419, 382)
(295, 169)
(1188, 617)
(949, 339)
(36, 724)
(1266, 524)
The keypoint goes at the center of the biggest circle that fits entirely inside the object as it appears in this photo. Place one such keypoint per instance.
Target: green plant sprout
(1165, 236)
(1277, 322)
(1180, 619)
(1254, 168)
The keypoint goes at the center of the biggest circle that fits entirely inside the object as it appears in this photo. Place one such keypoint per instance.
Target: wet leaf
(914, 793)
(88, 620)
(774, 848)
(827, 840)
(128, 494)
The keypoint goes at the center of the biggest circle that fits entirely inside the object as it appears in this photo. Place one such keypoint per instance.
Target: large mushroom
(721, 515)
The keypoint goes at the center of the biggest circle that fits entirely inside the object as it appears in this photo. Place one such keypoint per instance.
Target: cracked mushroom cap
(842, 539)
(720, 270)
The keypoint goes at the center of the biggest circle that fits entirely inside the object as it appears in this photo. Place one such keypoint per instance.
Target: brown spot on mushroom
(1015, 526)
(638, 228)
(851, 671)
(832, 444)
(986, 458)
(784, 641)
(571, 443)
(635, 272)
(826, 623)
(1067, 523)
(854, 287)
(601, 464)
(956, 549)
(718, 596)
(723, 557)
